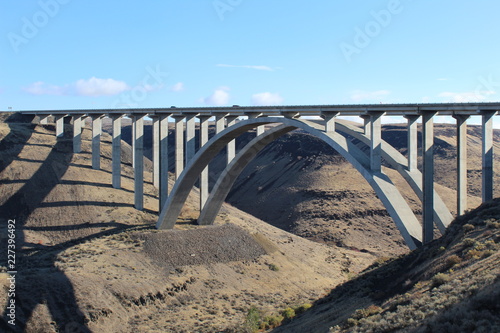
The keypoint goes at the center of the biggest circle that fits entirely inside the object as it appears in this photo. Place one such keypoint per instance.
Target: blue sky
(108, 54)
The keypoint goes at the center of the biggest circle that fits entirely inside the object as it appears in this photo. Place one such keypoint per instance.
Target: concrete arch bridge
(362, 147)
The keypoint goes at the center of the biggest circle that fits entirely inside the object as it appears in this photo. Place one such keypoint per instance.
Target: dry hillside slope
(87, 261)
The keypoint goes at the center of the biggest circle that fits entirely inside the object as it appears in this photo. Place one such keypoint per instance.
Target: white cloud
(266, 98)
(91, 87)
(219, 97)
(42, 88)
(464, 97)
(179, 86)
(258, 67)
(442, 79)
(100, 87)
(360, 95)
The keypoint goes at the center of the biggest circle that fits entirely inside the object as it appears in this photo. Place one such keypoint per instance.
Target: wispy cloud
(257, 67)
(83, 87)
(219, 97)
(179, 86)
(266, 98)
(361, 95)
(442, 79)
(464, 97)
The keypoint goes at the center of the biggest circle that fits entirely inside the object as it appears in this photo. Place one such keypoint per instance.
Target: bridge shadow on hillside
(38, 280)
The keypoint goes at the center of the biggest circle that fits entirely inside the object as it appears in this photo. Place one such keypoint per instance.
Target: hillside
(450, 285)
(88, 261)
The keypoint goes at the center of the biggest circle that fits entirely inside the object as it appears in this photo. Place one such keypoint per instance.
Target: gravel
(205, 245)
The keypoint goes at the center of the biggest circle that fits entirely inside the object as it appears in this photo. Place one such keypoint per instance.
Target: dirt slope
(87, 261)
(450, 285)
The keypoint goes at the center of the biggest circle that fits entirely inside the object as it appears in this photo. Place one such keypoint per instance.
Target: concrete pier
(116, 150)
(376, 141)
(163, 160)
(428, 175)
(96, 141)
(220, 123)
(253, 115)
(461, 163)
(156, 151)
(204, 174)
(412, 143)
(329, 118)
(77, 134)
(231, 146)
(60, 126)
(190, 137)
(366, 124)
(487, 153)
(179, 145)
(139, 161)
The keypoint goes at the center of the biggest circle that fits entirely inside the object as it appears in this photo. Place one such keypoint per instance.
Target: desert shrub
(273, 267)
(367, 312)
(302, 308)
(453, 260)
(288, 313)
(493, 224)
(270, 322)
(468, 227)
(440, 279)
(252, 320)
(469, 242)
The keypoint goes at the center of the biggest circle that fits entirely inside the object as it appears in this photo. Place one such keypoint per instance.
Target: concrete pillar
(116, 150)
(163, 159)
(376, 141)
(60, 126)
(487, 154)
(44, 120)
(190, 137)
(412, 129)
(96, 141)
(231, 146)
(329, 121)
(77, 134)
(253, 115)
(156, 151)
(133, 141)
(179, 145)
(428, 176)
(139, 162)
(461, 163)
(366, 124)
(220, 123)
(204, 173)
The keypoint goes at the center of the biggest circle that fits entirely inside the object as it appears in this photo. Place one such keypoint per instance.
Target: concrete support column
(487, 154)
(253, 115)
(116, 150)
(44, 120)
(163, 160)
(179, 145)
(412, 128)
(204, 173)
(190, 137)
(329, 121)
(376, 141)
(77, 134)
(428, 176)
(461, 164)
(138, 140)
(156, 151)
(96, 141)
(220, 123)
(133, 141)
(231, 146)
(60, 126)
(366, 124)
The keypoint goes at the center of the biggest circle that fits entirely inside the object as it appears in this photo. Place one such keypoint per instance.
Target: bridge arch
(398, 209)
